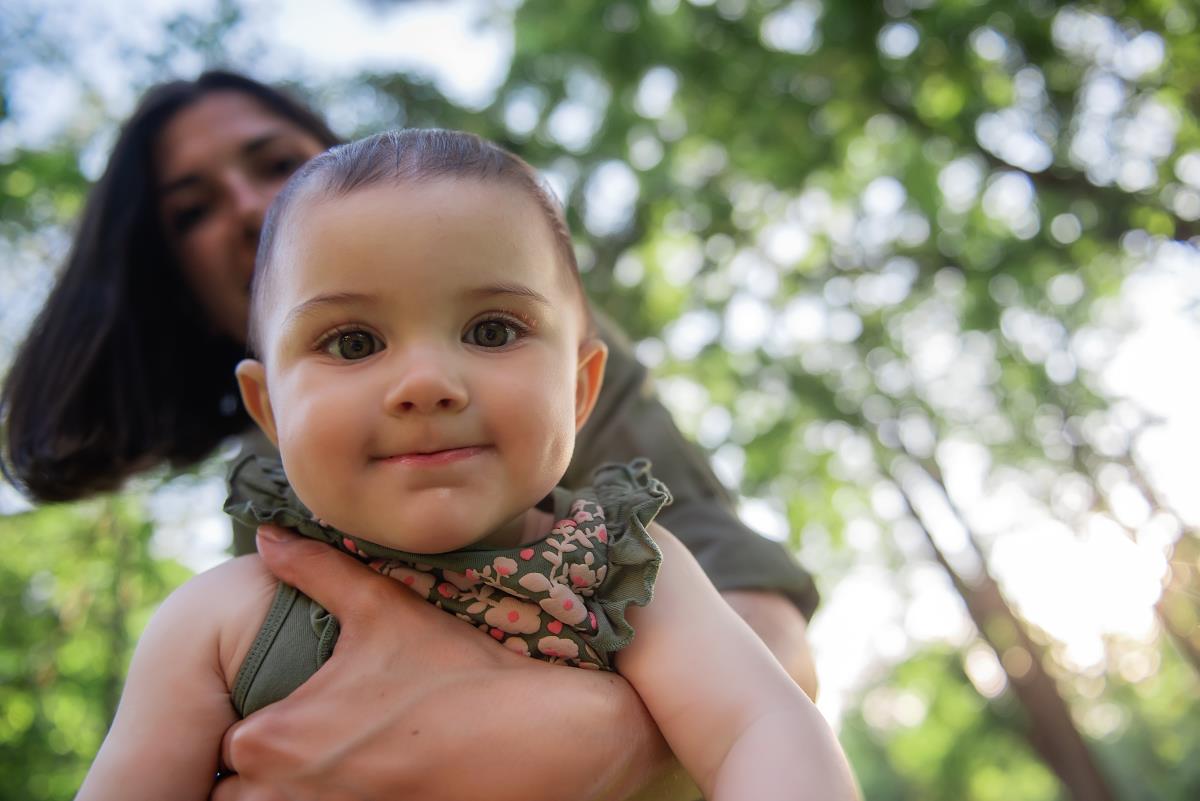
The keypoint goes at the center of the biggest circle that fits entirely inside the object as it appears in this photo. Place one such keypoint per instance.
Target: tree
(949, 215)
(78, 584)
(873, 251)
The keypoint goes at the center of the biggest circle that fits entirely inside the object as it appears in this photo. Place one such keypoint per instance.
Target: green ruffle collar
(561, 599)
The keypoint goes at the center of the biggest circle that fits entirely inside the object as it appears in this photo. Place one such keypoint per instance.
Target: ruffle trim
(631, 498)
(627, 497)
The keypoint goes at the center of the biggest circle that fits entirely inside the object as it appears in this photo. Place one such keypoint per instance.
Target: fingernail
(273, 533)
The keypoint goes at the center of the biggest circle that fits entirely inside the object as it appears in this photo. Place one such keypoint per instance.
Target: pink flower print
(563, 527)
(464, 581)
(558, 647)
(582, 515)
(535, 582)
(589, 656)
(581, 576)
(504, 566)
(602, 533)
(526, 554)
(518, 645)
(446, 590)
(349, 545)
(564, 605)
(415, 580)
(592, 620)
(514, 617)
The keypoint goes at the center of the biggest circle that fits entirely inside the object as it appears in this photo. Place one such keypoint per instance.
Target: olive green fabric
(629, 422)
(296, 638)
(562, 599)
(253, 443)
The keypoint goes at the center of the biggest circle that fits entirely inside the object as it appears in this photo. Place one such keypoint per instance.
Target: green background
(854, 239)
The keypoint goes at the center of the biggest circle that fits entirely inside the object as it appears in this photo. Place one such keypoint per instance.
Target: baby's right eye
(352, 345)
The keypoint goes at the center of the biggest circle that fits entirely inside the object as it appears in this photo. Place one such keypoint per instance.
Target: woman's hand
(417, 704)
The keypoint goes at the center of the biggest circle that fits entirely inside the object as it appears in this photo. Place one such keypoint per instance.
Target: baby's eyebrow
(507, 288)
(327, 299)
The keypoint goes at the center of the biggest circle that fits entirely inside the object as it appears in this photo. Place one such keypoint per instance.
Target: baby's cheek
(310, 482)
(316, 457)
(552, 433)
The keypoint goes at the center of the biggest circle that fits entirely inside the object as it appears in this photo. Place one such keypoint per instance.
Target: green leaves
(864, 235)
(77, 584)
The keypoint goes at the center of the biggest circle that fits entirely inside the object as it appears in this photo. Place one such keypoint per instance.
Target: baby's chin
(425, 534)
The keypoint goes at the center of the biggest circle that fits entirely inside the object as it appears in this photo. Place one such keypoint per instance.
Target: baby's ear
(252, 381)
(593, 355)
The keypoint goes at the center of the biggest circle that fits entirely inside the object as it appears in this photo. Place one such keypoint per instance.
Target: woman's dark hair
(413, 155)
(121, 369)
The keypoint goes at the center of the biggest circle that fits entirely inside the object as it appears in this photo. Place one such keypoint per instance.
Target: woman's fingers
(234, 788)
(347, 588)
(240, 752)
(372, 609)
(410, 689)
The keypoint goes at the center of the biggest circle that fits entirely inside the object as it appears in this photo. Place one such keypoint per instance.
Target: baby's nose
(427, 385)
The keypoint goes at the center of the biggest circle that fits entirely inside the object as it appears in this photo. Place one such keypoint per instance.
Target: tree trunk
(1052, 731)
(1176, 609)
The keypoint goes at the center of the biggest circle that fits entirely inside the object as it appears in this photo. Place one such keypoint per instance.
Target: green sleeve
(253, 442)
(629, 422)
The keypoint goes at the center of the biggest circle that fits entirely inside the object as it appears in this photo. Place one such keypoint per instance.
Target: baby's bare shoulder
(228, 604)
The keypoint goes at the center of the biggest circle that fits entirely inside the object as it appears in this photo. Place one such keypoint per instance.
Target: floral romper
(561, 599)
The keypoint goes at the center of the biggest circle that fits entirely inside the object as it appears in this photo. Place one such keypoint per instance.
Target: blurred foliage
(852, 238)
(77, 585)
(925, 732)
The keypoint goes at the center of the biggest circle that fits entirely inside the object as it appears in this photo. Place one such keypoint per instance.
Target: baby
(426, 358)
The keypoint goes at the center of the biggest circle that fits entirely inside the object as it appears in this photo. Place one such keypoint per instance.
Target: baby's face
(424, 374)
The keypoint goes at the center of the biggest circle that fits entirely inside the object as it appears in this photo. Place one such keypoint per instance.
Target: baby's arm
(165, 741)
(736, 720)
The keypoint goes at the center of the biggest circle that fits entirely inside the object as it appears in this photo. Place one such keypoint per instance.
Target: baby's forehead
(489, 221)
(318, 218)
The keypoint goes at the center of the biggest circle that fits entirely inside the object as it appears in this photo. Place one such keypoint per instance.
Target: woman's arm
(165, 740)
(414, 704)
(733, 716)
(759, 578)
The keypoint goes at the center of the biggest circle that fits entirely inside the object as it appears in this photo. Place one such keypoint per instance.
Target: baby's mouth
(434, 458)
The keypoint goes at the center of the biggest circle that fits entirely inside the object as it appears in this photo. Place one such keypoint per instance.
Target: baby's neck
(537, 525)
(531, 526)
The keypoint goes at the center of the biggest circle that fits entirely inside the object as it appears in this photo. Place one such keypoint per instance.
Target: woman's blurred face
(220, 162)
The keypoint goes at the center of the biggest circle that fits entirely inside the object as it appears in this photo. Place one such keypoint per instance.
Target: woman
(158, 276)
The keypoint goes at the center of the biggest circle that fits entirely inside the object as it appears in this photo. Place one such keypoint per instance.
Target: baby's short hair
(412, 155)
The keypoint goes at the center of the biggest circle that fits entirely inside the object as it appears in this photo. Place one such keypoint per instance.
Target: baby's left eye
(491, 334)
(352, 345)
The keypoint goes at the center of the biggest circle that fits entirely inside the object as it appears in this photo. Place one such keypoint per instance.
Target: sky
(1079, 585)
(464, 45)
